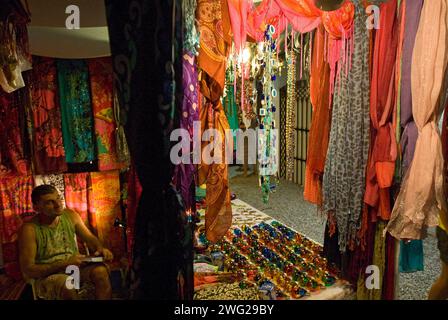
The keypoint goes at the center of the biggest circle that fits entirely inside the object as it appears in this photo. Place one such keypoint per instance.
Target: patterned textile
(421, 196)
(214, 26)
(56, 180)
(105, 204)
(77, 123)
(320, 123)
(78, 187)
(15, 201)
(101, 86)
(48, 148)
(184, 173)
(218, 216)
(214, 30)
(13, 156)
(344, 174)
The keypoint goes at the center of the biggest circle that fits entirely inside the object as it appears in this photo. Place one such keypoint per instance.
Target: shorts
(51, 287)
(442, 244)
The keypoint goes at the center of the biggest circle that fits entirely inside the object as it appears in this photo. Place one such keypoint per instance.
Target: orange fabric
(381, 165)
(218, 211)
(320, 126)
(214, 27)
(214, 23)
(303, 15)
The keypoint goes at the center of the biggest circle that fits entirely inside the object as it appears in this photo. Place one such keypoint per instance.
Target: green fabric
(231, 110)
(55, 243)
(76, 111)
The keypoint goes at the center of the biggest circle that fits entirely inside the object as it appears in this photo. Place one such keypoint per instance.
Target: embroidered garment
(320, 124)
(101, 86)
(344, 173)
(48, 147)
(13, 133)
(421, 196)
(77, 122)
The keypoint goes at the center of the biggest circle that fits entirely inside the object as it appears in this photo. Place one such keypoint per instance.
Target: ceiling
(49, 36)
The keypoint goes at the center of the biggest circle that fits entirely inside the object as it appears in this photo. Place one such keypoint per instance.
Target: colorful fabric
(13, 134)
(48, 147)
(411, 254)
(344, 173)
(231, 110)
(184, 173)
(214, 29)
(214, 24)
(384, 151)
(218, 216)
(76, 110)
(78, 186)
(56, 180)
(101, 87)
(320, 124)
(422, 197)
(105, 204)
(15, 201)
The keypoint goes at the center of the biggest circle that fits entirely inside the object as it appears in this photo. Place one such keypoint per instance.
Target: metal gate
(302, 126)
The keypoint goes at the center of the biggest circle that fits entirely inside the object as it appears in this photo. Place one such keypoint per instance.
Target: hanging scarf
(13, 133)
(214, 27)
(344, 174)
(411, 254)
(48, 147)
(101, 86)
(78, 186)
(218, 212)
(421, 196)
(382, 103)
(320, 124)
(184, 173)
(77, 122)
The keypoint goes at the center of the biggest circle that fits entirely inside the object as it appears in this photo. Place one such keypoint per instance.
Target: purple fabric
(413, 11)
(408, 141)
(184, 173)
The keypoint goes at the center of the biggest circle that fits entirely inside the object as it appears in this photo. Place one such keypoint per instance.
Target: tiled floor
(287, 205)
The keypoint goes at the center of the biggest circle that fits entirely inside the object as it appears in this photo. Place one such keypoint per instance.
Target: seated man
(47, 245)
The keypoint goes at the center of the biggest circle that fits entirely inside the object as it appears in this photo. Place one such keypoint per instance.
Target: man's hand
(75, 260)
(108, 256)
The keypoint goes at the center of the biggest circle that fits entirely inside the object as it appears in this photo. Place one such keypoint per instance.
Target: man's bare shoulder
(73, 216)
(27, 230)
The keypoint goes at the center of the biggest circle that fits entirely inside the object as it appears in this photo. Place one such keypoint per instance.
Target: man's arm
(88, 237)
(27, 256)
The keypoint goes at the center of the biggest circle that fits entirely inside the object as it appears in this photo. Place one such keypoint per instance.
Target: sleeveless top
(55, 243)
